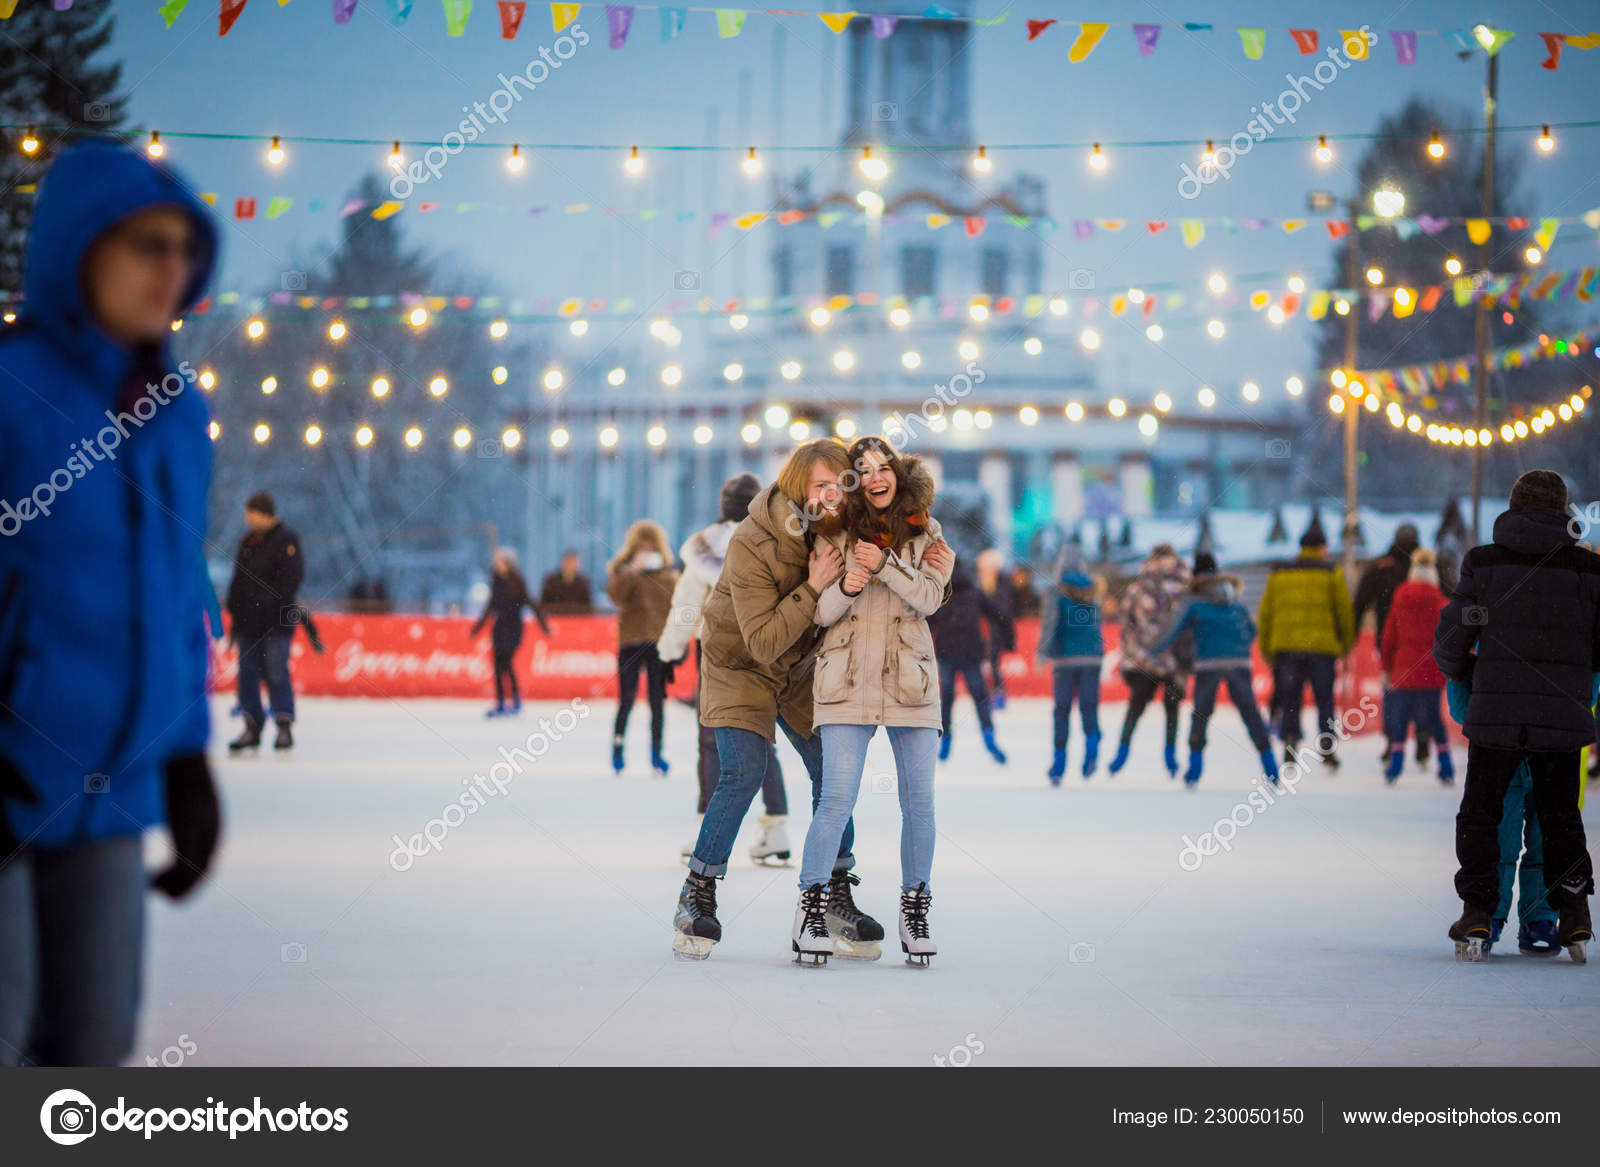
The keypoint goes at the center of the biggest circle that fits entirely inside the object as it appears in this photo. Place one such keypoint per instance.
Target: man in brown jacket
(757, 647)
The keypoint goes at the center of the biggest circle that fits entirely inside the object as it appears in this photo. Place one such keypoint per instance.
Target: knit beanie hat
(1539, 490)
(737, 494)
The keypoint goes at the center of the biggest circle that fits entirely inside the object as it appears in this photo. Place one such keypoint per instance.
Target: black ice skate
(695, 927)
(283, 740)
(856, 935)
(1472, 934)
(1575, 931)
(248, 740)
(809, 937)
(916, 941)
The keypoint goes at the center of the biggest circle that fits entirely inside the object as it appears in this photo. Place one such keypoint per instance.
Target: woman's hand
(940, 557)
(856, 580)
(868, 555)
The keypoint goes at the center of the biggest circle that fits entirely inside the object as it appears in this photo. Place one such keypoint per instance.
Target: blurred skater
(267, 572)
(566, 592)
(103, 646)
(1149, 607)
(508, 596)
(1374, 593)
(1002, 625)
(959, 646)
(1070, 641)
(1414, 686)
(640, 580)
(1306, 625)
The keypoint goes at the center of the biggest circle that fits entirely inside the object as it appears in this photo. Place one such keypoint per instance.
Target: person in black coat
(1522, 633)
(267, 573)
(959, 646)
(508, 595)
(567, 592)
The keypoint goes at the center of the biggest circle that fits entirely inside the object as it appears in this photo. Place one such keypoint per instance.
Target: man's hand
(855, 580)
(868, 555)
(940, 557)
(827, 565)
(195, 819)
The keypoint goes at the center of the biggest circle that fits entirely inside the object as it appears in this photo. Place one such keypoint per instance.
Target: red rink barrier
(433, 656)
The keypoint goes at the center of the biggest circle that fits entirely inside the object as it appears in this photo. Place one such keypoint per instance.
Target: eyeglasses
(156, 247)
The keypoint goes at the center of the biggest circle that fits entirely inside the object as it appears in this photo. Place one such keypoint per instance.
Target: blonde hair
(796, 471)
(642, 534)
(1424, 566)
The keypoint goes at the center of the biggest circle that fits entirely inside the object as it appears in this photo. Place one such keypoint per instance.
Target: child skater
(1223, 632)
(1070, 640)
(876, 668)
(1415, 683)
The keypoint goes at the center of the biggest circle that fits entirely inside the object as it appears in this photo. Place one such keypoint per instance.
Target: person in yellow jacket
(1306, 624)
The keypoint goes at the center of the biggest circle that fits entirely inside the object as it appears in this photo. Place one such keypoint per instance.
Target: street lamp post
(1480, 323)
(1352, 413)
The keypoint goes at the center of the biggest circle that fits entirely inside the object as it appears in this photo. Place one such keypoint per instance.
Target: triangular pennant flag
(1291, 303)
(1155, 226)
(936, 12)
(210, 197)
(936, 221)
(1112, 224)
(1192, 26)
(1552, 47)
(1587, 279)
(1404, 229)
(1088, 37)
(398, 11)
(277, 205)
(350, 207)
(227, 13)
(1366, 222)
(169, 10)
(1478, 230)
(1431, 225)
(1337, 228)
(1290, 226)
(745, 222)
(562, 15)
(974, 225)
(838, 21)
(1355, 43)
(1259, 300)
(882, 26)
(426, 206)
(1254, 41)
(1405, 46)
(1546, 235)
(1462, 41)
(1377, 305)
(828, 218)
(671, 25)
(1589, 40)
(1497, 40)
(1430, 298)
(1461, 290)
(1119, 305)
(385, 209)
(1082, 228)
(1035, 27)
(729, 21)
(790, 217)
(511, 14)
(1517, 223)
(7, 7)
(456, 15)
(1020, 222)
(244, 208)
(343, 10)
(1145, 36)
(1305, 40)
(1194, 230)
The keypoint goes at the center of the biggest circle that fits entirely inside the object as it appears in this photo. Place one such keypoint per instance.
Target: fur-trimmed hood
(907, 516)
(704, 552)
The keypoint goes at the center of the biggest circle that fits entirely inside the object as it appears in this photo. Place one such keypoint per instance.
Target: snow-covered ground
(1071, 927)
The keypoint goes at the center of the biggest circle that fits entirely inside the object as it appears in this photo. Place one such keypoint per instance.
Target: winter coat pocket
(914, 675)
(834, 667)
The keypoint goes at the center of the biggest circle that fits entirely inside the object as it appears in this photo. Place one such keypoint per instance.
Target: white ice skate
(809, 937)
(772, 848)
(915, 939)
(688, 848)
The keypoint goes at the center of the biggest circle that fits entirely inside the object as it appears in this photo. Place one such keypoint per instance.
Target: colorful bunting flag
(386, 209)
(974, 225)
(883, 26)
(729, 21)
(1478, 230)
(227, 13)
(1405, 46)
(671, 25)
(343, 10)
(1290, 226)
(1305, 40)
(838, 21)
(562, 15)
(169, 10)
(1552, 47)
(244, 208)
(1088, 37)
(1145, 36)
(1254, 41)
(1155, 226)
(1194, 230)
(1035, 27)
(936, 221)
(1355, 43)
(1337, 228)
(1587, 41)
(398, 11)
(277, 205)
(1497, 40)
(1546, 235)
(456, 15)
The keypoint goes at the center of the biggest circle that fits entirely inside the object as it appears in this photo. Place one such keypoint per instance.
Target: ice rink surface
(1073, 926)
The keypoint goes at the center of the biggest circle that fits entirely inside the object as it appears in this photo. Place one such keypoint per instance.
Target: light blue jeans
(844, 756)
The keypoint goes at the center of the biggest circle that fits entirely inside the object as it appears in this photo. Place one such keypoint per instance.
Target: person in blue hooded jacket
(1222, 632)
(1071, 642)
(105, 462)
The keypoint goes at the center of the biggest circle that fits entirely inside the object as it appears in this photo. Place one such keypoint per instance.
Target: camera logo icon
(885, 111)
(96, 783)
(68, 1117)
(1081, 953)
(1278, 448)
(293, 281)
(883, 784)
(1080, 279)
(292, 953)
(686, 281)
(1081, 616)
(97, 111)
(1475, 615)
(491, 448)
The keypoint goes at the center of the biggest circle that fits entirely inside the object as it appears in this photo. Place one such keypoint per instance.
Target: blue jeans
(1294, 670)
(1532, 907)
(1082, 682)
(743, 757)
(1403, 707)
(1206, 682)
(71, 949)
(266, 659)
(844, 755)
(972, 672)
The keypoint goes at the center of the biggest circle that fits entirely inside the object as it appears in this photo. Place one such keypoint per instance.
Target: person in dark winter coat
(703, 555)
(1522, 632)
(1414, 685)
(508, 596)
(566, 592)
(1024, 599)
(1222, 632)
(1002, 628)
(640, 580)
(267, 572)
(1374, 592)
(1070, 641)
(104, 468)
(958, 646)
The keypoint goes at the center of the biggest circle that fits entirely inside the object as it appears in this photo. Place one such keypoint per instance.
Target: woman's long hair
(512, 575)
(646, 534)
(907, 516)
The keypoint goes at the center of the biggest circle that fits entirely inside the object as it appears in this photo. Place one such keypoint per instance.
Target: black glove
(15, 787)
(669, 670)
(194, 818)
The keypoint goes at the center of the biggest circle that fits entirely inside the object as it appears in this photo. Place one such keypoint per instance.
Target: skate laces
(703, 896)
(914, 907)
(840, 901)
(811, 903)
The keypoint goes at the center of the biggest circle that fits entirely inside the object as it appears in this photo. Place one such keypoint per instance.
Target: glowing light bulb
(1217, 282)
(1162, 402)
(1074, 411)
(750, 433)
(703, 435)
(1155, 332)
(978, 312)
(262, 432)
(1342, 307)
(1452, 266)
(30, 141)
(560, 437)
(155, 149)
(1058, 306)
(844, 360)
(438, 387)
(275, 157)
(1436, 146)
(968, 350)
(672, 376)
(516, 161)
(899, 317)
(397, 160)
(820, 316)
(801, 430)
(1533, 255)
(732, 371)
(1215, 329)
(1294, 386)
(413, 438)
(1148, 425)
(1545, 141)
(1116, 407)
(1028, 415)
(269, 386)
(1275, 314)
(1251, 391)
(981, 162)
(498, 329)
(1296, 284)
(874, 169)
(256, 329)
(635, 164)
(738, 322)
(1097, 158)
(419, 317)
(337, 330)
(616, 377)
(790, 370)
(609, 436)
(364, 436)
(380, 386)
(579, 328)
(751, 164)
(1208, 157)
(319, 378)
(511, 437)
(1336, 403)
(499, 374)
(1323, 152)
(1374, 276)
(1207, 396)
(207, 379)
(313, 434)
(1033, 346)
(911, 359)
(215, 430)
(1089, 339)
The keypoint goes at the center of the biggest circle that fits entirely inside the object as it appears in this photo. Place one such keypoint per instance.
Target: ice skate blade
(1576, 951)
(808, 959)
(917, 959)
(691, 947)
(776, 859)
(1472, 950)
(866, 950)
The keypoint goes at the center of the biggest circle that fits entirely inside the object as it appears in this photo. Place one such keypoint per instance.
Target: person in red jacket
(1413, 677)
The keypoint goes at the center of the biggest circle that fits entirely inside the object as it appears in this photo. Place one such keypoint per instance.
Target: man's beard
(828, 522)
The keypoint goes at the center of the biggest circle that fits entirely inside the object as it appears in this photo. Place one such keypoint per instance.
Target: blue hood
(90, 190)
